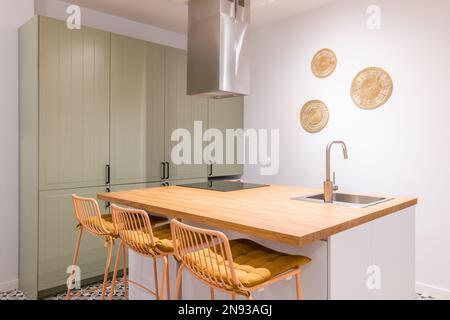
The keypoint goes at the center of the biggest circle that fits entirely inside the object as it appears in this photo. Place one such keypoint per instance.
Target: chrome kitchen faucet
(329, 187)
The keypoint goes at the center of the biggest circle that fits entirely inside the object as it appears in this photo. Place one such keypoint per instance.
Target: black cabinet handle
(108, 174)
(168, 171)
(108, 204)
(165, 170)
(211, 170)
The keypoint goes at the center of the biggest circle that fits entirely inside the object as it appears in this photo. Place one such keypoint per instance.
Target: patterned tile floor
(91, 292)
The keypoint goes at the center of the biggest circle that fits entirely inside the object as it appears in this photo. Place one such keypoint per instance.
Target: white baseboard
(432, 291)
(9, 285)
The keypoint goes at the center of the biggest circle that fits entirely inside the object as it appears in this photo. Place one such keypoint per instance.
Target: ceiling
(172, 14)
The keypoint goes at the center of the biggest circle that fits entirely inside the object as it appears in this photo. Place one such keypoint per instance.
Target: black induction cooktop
(223, 186)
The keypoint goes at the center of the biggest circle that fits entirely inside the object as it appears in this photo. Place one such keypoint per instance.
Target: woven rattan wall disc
(314, 116)
(324, 63)
(371, 88)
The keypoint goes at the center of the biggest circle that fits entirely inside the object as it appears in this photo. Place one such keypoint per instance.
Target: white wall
(13, 13)
(95, 19)
(401, 148)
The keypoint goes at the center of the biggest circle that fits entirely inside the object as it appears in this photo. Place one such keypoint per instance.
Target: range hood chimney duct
(218, 48)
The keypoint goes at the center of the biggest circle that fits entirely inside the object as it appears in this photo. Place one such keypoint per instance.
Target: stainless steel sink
(348, 200)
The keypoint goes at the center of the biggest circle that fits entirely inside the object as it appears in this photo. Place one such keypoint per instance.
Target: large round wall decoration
(324, 63)
(314, 116)
(371, 88)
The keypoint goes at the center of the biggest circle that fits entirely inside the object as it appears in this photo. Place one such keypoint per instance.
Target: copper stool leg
(108, 263)
(164, 275)
(116, 267)
(125, 268)
(179, 278)
(298, 286)
(155, 275)
(75, 259)
(168, 279)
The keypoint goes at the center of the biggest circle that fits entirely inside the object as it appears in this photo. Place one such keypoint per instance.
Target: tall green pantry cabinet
(64, 115)
(148, 102)
(97, 111)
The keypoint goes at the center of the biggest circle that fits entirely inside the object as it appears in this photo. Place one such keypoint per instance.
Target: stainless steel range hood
(218, 48)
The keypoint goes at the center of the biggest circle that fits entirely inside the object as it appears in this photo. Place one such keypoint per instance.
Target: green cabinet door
(137, 110)
(223, 115)
(181, 113)
(73, 106)
(57, 239)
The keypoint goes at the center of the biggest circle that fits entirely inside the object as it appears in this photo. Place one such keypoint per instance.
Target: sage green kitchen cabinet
(181, 113)
(57, 239)
(137, 110)
(64, 143)
(223, 115)
(74, 73)
(148, 103)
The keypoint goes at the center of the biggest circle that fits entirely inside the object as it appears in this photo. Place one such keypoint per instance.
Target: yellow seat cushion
(140, 240)
(107, 222)
(254, 264)
(163, 238)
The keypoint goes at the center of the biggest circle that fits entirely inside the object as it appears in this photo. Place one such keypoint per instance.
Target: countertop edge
(270, 235)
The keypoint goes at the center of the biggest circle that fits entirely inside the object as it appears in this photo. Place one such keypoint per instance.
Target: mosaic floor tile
(91, 292)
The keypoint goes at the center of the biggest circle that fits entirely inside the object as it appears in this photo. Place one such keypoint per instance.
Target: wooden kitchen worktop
(268, 213)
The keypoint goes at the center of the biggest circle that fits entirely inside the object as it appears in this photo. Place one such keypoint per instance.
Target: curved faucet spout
(344, 149)
(329, 187)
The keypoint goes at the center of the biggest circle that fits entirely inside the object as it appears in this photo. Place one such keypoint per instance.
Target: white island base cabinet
(373, 261)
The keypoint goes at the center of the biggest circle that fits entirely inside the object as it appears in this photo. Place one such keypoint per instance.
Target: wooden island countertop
(268, 212)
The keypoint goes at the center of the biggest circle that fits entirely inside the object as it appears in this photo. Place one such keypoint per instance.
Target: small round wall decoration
(324, 63)
(371, 88)
(314, 116)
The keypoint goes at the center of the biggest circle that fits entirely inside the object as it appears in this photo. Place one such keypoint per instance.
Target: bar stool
(135, 230)
(237, 267)
(89, 217)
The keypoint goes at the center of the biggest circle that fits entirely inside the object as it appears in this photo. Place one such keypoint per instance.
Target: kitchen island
(357, 253)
